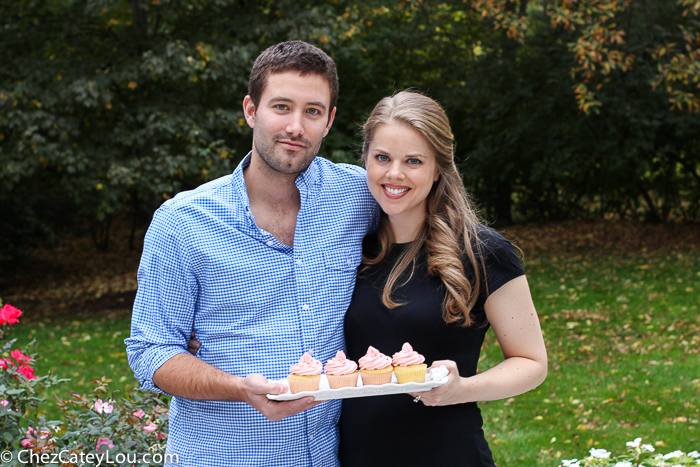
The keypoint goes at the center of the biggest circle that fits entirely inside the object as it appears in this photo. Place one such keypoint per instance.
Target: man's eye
(281, 107)
(314, 111)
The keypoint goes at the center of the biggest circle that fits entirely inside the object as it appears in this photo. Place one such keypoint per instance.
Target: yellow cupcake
(410, 373)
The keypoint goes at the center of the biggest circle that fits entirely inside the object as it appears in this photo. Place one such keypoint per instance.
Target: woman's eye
(414, 161)
(382, 157)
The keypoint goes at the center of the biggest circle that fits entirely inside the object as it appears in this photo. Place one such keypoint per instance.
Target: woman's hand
(193, 345)
(450, 393)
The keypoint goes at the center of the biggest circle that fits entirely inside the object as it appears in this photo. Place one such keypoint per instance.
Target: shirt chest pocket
(343, 259)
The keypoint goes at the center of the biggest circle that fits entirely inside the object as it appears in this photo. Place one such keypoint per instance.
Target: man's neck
(268, 186)
(274, 199)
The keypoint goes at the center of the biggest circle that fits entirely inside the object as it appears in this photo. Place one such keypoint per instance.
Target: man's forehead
(292, 86)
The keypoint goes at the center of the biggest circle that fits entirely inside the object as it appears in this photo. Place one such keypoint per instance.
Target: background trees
(561, 109)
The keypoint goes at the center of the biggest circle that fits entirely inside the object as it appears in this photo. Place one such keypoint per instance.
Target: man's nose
(295, 125)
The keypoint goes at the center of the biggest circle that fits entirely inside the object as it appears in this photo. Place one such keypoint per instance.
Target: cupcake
(305, 375)
(375, 367)
(409, 366)
(341, 372)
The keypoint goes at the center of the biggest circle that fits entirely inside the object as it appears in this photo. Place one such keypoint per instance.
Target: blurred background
(568, 109)
(577, 125)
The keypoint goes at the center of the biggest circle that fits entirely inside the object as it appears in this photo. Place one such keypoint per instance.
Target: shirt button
(349, 262)
(311, 437)
(299, 262)
(305, 307)
(270, 243)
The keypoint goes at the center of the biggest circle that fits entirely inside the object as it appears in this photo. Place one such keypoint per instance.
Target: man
(261, 264)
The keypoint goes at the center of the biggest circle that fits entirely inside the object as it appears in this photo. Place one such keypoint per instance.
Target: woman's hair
(451, 225)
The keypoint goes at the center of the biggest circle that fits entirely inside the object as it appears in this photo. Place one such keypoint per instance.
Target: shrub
(97, 429)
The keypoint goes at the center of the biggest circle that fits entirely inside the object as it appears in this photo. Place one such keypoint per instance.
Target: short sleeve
(500, 260)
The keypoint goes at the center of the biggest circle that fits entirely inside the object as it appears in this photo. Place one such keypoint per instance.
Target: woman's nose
(395, 171)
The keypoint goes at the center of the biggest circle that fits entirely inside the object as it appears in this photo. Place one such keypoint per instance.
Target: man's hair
(292, 56)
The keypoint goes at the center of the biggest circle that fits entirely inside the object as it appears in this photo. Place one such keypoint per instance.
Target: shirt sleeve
(500, 260)
(163, 313)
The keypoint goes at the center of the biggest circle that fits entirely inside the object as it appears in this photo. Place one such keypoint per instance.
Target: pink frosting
(374, 360)
(340, 365)
(307, 366)
(407, 356)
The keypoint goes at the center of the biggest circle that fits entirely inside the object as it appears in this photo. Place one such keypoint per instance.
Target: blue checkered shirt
(256, 306)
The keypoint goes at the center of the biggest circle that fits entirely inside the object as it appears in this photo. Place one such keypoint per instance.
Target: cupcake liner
(373, 377)
(410, 373)
(299, 383)
(342, 381)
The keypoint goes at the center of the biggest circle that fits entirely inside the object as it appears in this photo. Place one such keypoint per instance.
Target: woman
(435, 277)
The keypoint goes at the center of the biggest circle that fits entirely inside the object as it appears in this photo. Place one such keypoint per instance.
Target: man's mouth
(289, 144)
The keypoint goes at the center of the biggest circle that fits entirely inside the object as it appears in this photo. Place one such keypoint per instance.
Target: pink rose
(20, 357)
(4, 402)
(9, 314)
(27, 371)
(25, 442)
(103, 407)
(151, 427)
(101, 442)
(139, 413)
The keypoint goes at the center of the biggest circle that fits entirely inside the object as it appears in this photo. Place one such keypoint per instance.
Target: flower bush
(636, 455)
(130, 428)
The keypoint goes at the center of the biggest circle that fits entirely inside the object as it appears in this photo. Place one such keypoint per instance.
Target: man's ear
(249, 111)
(330, 122)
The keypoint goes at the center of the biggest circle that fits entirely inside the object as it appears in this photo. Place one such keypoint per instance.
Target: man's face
(291, 120)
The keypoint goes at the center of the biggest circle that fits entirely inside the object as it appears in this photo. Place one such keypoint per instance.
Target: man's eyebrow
(291, 101)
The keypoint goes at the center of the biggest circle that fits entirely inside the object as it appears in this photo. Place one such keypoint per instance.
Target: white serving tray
(435, 377)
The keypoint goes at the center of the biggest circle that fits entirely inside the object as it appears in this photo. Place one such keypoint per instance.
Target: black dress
(387, 431)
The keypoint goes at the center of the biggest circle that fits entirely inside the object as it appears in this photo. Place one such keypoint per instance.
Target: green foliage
(560, 109)
(131, 428)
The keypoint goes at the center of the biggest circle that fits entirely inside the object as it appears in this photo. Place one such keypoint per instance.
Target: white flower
(673, 455)
(600, 453)
(624, 463)
(693, 455)
(635, 443)
(570, 463)
(647, 447)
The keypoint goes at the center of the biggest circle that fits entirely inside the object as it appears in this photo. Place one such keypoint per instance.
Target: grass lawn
(622, 331)
(623, 335)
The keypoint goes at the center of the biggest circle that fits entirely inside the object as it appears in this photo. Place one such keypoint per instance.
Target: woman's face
(401, 170)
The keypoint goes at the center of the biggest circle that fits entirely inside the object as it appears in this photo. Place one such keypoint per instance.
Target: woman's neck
(405, 230)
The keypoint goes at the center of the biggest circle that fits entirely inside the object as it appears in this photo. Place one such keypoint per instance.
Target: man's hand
(255, 387)
(191, 378)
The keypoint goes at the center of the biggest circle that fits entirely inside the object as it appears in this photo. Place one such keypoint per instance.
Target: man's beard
(273, 158)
